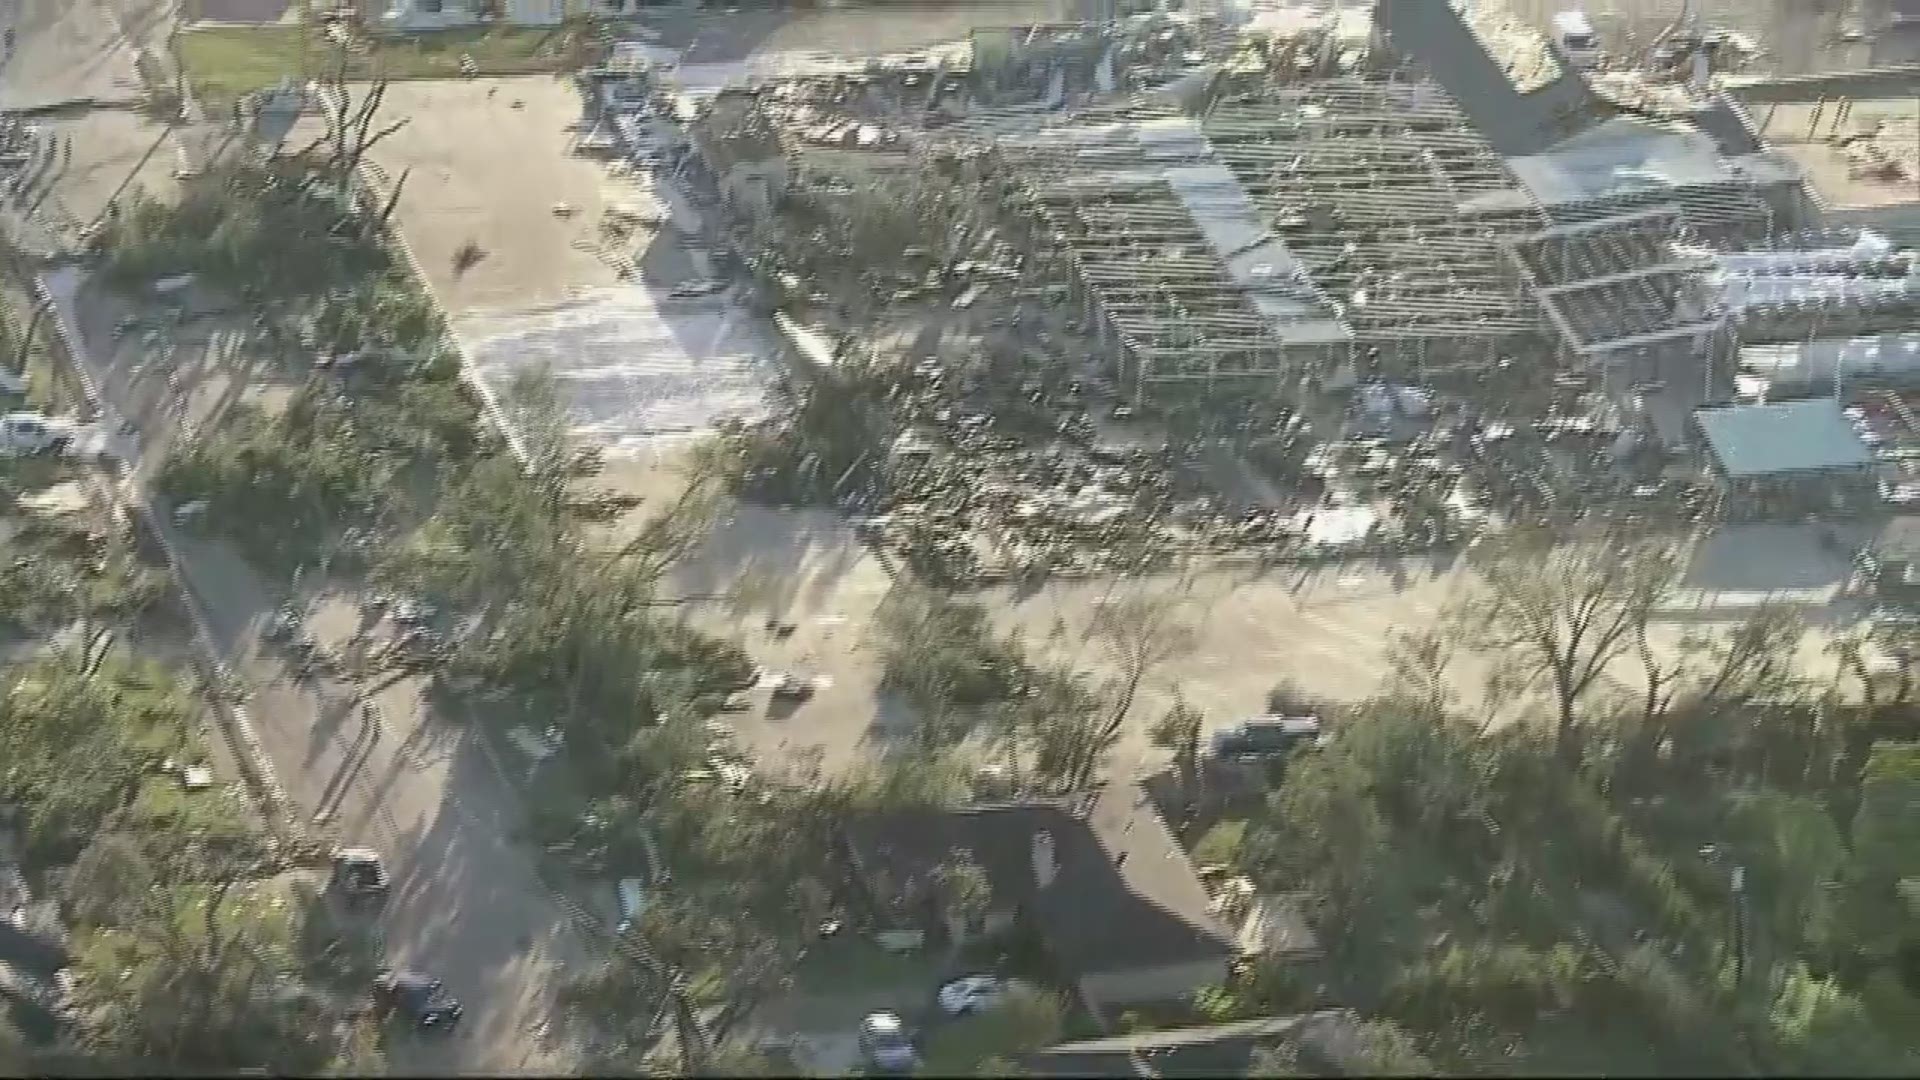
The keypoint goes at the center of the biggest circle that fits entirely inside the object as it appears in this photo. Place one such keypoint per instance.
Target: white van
(1574, 37)
(630, 896)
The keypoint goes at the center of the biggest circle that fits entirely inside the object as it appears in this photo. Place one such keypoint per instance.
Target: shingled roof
(1121, 893)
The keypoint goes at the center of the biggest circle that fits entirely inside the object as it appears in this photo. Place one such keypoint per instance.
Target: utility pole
(1739, 882)
(1715, 854)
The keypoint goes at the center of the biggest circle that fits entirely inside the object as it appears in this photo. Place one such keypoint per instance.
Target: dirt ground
(99, 156)
(1325, 630)
(632, 361)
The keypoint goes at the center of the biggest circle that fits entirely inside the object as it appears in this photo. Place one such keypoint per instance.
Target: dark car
(1269, 736)
(418, 999)
(792, 688)
(359, 875)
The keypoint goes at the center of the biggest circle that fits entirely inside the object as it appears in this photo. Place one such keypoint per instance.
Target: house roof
(750, 143)
(1121, 895)
(1276, 925)
(1782, 437)
(28, 951)
(1216, 1050)
(735, 131)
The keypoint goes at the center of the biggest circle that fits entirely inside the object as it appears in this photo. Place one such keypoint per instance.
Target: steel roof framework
(1137, 247)
(1398, 212)
(1608, 284)
(1394, 203)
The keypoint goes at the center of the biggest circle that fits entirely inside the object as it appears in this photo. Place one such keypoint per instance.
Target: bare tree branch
(1567, 609)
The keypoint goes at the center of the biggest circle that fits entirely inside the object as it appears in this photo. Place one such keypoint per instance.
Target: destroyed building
(744, 152)
(1854, 139)
(1445, 195)
(1422, 210)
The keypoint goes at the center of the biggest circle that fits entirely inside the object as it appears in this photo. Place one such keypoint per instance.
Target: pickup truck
(24, 433)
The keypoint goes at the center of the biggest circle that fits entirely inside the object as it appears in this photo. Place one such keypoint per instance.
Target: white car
(790, 686)
(697, 287)
(969, 994)
(886, 1044)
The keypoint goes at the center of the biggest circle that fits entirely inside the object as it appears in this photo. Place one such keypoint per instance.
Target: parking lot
(552, 284)
(1800, 37)
(1327, 631)
(486, 162)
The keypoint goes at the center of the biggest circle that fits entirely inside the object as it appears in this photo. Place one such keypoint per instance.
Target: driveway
(78, 51)
(68, 49)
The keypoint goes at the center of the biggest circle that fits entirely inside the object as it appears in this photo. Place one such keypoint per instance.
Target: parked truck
(1573, 35)
(25, 433)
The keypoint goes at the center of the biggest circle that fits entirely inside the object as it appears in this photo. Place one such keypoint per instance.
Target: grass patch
(852, 966)
(225, 62)
(1220, 845)
(222, 63)
(502, 50)
(218, 811)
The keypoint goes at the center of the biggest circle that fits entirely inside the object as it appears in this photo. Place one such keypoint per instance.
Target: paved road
(467, 904)
(77, 50)
(67, 49)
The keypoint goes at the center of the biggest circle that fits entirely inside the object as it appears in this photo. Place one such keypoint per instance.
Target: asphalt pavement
(468, 904)
(426, 791)
(61, 51)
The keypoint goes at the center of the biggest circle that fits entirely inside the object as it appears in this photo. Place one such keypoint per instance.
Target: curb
(234, 722)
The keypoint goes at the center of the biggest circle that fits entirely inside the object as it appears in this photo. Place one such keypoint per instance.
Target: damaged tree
(1563, 611)
(1714, 688)
(1179, 731)
(1072, 725)
(1141, 634)
(350, 130)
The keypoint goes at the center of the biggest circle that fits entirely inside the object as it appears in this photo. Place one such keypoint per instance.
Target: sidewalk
(1724, 601)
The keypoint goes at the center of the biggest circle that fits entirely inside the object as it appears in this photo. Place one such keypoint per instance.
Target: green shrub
(1220, 845)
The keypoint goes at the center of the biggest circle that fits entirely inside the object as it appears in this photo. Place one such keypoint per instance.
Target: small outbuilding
(1787, 458)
